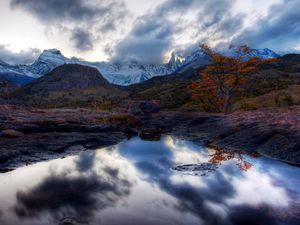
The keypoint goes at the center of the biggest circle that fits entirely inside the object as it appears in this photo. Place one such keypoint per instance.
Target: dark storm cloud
(23, 57)
(86, 21)
(78, 10)
(55, 10)
(147, 41)
(280, 30)
(216, 17)
(82, 40)
(153, 33)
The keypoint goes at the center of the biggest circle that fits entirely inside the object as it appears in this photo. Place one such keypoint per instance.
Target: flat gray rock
(203, 169)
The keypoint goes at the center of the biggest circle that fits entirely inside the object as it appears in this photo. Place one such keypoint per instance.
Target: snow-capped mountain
(47, 61)
(261, 53)
(118, 73)
(175, 62)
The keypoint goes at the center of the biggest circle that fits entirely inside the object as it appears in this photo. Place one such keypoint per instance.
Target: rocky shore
(31, 135)
(274, 133)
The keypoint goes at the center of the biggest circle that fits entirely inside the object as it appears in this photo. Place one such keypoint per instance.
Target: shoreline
(34, 135)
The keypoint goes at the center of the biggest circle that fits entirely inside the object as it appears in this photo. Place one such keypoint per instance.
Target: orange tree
(225, 78)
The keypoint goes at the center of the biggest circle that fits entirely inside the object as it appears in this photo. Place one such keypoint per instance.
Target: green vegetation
(281, 98)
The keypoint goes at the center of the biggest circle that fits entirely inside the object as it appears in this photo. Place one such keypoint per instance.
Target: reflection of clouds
(257, 189)
(185, 152)
(215, 199)
(74, 193)
(85, 161)
(282, 175)
(68, 195)
(189, 198)
(133, 183)
(178, 178)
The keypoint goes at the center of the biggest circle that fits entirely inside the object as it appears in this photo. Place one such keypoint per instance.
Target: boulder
(150, 107)
(150, 134)
(140, 108)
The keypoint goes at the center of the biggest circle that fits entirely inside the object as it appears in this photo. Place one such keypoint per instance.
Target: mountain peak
(51, 54)
(175, 61)
(53, 51)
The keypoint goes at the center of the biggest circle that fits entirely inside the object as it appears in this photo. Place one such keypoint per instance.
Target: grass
(281, 98)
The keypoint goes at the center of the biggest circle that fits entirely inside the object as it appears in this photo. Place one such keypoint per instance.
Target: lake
(166, 182)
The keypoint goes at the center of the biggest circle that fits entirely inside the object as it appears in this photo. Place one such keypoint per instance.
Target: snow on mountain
(118, 73)
(3, 63)
(175, 62)
(8, 69)
(194, 60)
(47, 61)
(262, 53)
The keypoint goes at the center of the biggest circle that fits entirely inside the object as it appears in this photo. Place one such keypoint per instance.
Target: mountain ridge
(123, 74)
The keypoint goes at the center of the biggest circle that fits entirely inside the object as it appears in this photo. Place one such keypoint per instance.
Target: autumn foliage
(225, 79)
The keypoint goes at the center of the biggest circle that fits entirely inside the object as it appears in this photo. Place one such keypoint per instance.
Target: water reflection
(67, 195)
(134, 183)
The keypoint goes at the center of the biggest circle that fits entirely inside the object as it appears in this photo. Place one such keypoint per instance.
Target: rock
(69, 221)
(11, 134)
(150, 133)
(139, 108)
(29, 128)
(40, 146)
(67, 128)
(283, 147)
(202, 169)
(129, 132)
(150, 107)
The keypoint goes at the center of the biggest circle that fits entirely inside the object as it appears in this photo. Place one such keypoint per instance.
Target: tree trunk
(228, 104)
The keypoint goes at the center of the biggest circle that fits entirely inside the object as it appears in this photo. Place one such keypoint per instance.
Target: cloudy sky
(143, 30)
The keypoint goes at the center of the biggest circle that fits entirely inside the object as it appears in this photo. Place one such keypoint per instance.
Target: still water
(166, 182)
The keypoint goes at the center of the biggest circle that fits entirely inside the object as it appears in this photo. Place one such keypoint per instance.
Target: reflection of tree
(68, 195)
(190, 199)
(220, 156)
(244, 165)
(193, 199)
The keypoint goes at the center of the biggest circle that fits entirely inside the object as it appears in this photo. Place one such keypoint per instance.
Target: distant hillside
(16, 78)
(175, 93)
(6, 87)
(73, 85)
(69, 85)
(172, 90)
